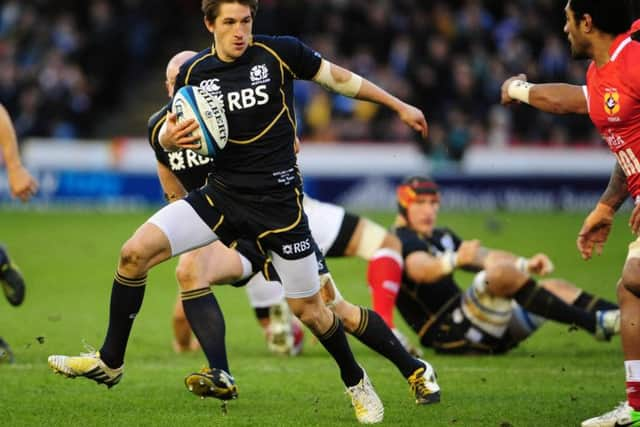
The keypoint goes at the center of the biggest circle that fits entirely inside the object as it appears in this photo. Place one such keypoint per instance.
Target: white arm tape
(349, 88)
(448, 262)
(522, 264)
(519, 89)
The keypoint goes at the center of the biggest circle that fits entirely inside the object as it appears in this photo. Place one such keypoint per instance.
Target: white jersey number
(628, 162)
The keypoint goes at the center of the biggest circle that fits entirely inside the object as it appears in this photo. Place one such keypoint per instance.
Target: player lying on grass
(216, 263)
(503, 305)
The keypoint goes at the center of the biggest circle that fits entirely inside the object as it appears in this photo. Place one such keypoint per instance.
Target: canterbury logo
(210, 85)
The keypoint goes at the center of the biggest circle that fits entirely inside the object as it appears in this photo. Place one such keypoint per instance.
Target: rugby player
(216, 264)
(23, 186)
(602, 32)
(499, 309)
(254, 192)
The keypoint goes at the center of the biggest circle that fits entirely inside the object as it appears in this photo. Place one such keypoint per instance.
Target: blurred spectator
(65, 62)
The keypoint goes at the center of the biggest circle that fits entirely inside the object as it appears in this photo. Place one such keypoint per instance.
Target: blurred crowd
(63, 61)
(447, 57)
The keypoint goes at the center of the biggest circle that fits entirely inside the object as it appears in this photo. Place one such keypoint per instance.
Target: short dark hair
(211, 8)
(611, 16)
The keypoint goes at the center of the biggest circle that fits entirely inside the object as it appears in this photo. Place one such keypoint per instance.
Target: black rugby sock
(261, 312)
(538, 300)
(375, 334)
(592, 303)
(206, 319)
(335, 341)
(126, 299)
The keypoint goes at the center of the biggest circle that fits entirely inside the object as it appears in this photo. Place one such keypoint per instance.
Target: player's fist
(504, 91)
(595, 230)
(540, 264)
(21, 184)
(414, 118)
(176, 135)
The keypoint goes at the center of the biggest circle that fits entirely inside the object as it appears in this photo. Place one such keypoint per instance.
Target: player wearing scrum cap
(499, 309)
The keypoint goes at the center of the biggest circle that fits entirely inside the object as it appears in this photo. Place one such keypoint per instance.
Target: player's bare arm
(171, 185)
(345, 82)
(556, 98)
(596, 227)
(21, 183)
(617, 191)
(472, 256)
(424, 268)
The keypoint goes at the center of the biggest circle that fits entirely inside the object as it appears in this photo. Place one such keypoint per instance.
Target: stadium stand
(65, 62)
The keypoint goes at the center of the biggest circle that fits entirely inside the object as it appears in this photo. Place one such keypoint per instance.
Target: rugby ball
(192, 102)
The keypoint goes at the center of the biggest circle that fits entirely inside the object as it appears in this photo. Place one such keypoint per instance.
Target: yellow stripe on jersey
(284, 229)
(186, 78)
(218, 224)
(264, 131)
(282, 63)
(155, 130)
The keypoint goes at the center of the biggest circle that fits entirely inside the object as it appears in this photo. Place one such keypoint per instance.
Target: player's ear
(209, 24)
(586, 23)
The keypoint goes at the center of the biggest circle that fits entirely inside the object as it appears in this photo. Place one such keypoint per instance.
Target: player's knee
(349, 314)
(186, 275)
(133, 257)
(631, 277)
(308, 311)
(502, 279)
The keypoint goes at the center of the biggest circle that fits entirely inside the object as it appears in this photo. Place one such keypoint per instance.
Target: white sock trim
(632, 369)
(387, 253)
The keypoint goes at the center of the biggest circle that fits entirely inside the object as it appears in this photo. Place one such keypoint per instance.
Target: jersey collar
(618, 45)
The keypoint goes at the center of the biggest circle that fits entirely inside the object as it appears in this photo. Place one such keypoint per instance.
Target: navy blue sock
(375, 334)
(206, 320)
(335, 341)
(538, 300)
(126, 299)
(592, 303)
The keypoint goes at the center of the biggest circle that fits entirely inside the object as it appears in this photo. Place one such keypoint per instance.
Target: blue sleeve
(301, 60)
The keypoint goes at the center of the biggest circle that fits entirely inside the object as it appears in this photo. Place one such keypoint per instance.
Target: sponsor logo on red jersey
(611, 101)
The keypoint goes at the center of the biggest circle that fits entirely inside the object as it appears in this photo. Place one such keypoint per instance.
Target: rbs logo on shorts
(296, 248)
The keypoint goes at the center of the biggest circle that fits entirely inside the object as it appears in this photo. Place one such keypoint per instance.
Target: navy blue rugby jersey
(189, 167)
(431, 296)
(257, 92)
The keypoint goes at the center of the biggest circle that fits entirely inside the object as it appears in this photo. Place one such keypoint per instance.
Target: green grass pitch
(557, 378)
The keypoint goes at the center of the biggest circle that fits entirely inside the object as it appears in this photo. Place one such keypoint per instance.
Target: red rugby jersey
(613, 98)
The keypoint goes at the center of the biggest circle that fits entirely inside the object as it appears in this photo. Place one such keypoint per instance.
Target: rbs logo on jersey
(247, 98)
